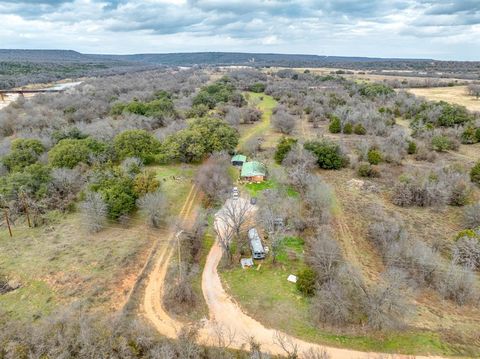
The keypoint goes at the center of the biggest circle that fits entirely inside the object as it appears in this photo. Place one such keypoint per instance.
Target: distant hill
(43, 56)
(240, 58)
(20, 67)
(193, 58)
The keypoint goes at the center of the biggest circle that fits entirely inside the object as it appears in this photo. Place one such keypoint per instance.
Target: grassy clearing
(254, 189)
(60, 263)
(175, 182)
(455, 94)
(266, 295)
(264, 103)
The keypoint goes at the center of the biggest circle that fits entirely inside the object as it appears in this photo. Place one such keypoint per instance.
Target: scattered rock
(13, 284)
(361, 185)
(8, 286)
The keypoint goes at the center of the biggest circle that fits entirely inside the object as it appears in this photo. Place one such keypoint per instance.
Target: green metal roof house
(253, 171)
(239, 160)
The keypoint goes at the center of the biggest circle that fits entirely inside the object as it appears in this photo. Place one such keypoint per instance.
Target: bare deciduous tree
(224, 335)
(283, 122)
(318, 198)
(272, 214)
(287, 344)
(225, 235)
(386, 304)
(154, 207)
(235, 214)
(94, 212)
(474, 90)
(213, 178)
(316, 354)
(300, 163)
(324, 255)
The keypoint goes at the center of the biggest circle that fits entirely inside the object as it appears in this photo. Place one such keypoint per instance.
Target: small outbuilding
(239, 160)
(253, 171)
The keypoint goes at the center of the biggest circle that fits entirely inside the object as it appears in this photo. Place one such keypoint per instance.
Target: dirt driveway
(226, 315)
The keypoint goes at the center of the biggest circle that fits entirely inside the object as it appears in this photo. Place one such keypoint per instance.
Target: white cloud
(397, 28)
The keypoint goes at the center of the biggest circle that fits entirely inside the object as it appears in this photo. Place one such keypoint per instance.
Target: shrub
(145, 182)
(358, 129)
(466, 252)
(70, 152)
(329, 154)
(477, 134)
(306, 280)
(33, 180)
(73, 133)
(132, 166)
(425, 154)
(258, 87)
(412, 147)
(136, 143)
(365, 169)
(201, 138)
(374, 156)
(24, 152)
(458, 284)
(469, 136)
(335, 125)
(283, 148)
(117, 190)
(442, 114)
(475, 173)
(445, 186)
(348, 128)
(453, 114)
(197, 111)
(375, 89)
(441, 143)
(472, 215)
(159, 107)
(220, 92)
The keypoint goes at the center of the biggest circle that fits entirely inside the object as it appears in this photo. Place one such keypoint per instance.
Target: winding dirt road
(152, 306)
(225, 315)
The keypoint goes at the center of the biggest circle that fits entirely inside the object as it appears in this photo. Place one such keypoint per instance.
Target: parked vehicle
(256, 246)
(235, 193)
(253, 200)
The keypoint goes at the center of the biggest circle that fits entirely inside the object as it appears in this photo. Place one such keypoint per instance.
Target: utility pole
(7, 220)
(179, 253)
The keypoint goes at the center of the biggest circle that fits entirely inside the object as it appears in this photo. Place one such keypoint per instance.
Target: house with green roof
(253, 171)
(239, 160)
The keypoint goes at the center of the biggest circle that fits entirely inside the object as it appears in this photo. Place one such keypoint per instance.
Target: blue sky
(441, 29)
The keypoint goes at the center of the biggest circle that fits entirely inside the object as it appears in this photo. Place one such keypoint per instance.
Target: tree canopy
(202, 137)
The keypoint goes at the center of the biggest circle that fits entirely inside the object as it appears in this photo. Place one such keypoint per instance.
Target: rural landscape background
(248, 196)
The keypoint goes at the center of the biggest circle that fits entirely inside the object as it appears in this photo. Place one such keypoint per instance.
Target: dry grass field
(61, 262)
(455, 94)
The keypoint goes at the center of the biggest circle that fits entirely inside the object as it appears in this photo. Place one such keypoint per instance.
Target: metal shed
(239, 160)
